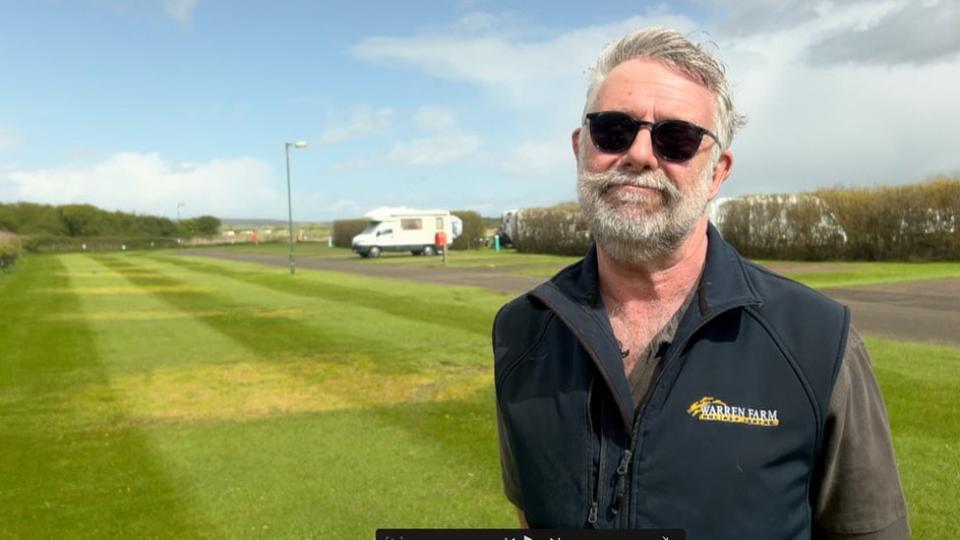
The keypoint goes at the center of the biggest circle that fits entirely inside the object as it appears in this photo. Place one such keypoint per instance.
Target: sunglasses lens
(613, 132)
(676, 141)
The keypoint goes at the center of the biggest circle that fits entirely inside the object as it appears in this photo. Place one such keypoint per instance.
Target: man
(664, 381)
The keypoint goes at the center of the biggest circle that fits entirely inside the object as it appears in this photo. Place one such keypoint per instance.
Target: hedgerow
(918, 222)
(559, 230)
(472, 235)
(345, 229)
(10, 250)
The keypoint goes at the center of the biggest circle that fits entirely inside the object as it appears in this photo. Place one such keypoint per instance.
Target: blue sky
(139, 105)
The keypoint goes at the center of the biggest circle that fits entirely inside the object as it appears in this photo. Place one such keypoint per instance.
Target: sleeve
(858, 495)
(508, 468)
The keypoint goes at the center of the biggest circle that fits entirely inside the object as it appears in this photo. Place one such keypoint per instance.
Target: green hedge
(917, 222)
(911, 222)
(10, 250)
(473, 234)
(799, 227)
(345, 229)
(50, 243)
(559, 230)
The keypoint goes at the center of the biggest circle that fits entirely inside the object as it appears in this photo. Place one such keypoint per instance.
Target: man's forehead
(649, 87)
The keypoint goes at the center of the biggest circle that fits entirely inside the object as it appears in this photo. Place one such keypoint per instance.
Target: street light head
(300, 144)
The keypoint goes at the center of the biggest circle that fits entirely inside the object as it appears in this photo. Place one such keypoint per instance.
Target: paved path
(915, 310)
(926, 311)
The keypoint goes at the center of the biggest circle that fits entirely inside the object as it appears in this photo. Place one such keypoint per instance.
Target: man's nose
(640, 156)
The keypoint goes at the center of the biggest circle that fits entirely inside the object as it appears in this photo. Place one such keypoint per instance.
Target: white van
(405, 229)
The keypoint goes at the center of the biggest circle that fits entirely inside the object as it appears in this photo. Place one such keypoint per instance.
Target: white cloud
(870, 114)
(435, 150)
(435, 118)
(816, 125)
(529, 72)
(181, 10)
(364, 121)
(746, 17)
(912, 32)
(553, 158)
(446, 145)
(148, 184)
(315, 205)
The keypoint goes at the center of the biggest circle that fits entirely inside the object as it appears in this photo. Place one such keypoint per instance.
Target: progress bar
(530, 534)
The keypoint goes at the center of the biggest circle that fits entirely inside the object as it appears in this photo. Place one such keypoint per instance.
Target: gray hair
(671, 48)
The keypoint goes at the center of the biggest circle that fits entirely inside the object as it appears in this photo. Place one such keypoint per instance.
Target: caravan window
(439, 223)
(411, 224)
(370, 228)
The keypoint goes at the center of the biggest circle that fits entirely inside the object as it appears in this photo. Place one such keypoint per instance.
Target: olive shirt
(859, 495)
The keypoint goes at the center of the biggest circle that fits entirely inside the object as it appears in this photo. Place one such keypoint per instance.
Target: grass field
(158, 397)
(148, 395)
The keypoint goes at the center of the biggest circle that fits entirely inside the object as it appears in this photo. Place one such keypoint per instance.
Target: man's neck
(664, 279)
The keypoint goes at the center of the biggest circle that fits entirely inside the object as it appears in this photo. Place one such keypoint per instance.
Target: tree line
(84, 220)
(43, 226)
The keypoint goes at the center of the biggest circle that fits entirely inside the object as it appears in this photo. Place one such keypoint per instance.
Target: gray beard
(637, 227)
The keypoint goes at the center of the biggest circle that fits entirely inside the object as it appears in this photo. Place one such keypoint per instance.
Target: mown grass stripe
(336, 326)
(443, 306)
(337, 366)
(57, 475)
(274, 482)
(454, 438)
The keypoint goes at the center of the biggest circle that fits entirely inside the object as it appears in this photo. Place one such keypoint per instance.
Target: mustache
(601, 182)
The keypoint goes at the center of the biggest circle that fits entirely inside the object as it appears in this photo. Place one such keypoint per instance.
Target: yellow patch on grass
(243, 391)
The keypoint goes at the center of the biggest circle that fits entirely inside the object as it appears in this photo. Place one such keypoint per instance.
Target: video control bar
(530, 534)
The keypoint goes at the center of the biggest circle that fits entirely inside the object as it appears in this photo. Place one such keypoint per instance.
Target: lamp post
(286, 147)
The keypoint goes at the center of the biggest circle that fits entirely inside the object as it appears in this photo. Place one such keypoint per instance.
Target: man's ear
(721, 171)
(575, 139)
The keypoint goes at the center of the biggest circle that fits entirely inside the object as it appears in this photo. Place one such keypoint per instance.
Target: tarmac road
(927, 311)
(915, 310)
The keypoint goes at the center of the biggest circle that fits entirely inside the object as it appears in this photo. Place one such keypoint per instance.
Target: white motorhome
(405, 229)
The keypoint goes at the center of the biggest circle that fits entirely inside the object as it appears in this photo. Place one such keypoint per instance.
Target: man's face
(638, 205)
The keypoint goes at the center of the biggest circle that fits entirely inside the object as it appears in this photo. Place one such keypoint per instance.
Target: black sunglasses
(673, 140)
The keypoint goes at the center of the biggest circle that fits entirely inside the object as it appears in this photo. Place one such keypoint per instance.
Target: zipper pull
(624, 463)
(592, 518)
(622, 469)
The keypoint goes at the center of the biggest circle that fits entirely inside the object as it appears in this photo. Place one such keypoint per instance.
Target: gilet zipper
(626, 520)
(593, 517)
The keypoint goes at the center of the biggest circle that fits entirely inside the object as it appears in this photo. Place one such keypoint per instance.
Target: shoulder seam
(794, 365)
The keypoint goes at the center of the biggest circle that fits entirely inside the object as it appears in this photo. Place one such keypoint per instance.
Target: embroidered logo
(711, 409)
